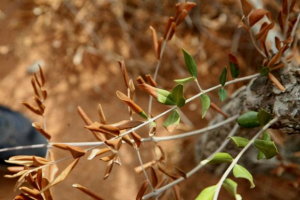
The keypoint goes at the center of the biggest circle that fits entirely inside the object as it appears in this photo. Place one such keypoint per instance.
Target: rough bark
(260, 93)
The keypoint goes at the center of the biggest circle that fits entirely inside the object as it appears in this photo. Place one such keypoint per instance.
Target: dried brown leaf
(180, 172)
(87, 191)
(95, 127)
(137, 109)
(101, 114)
(162, 153)
(47, 194)
(34, 87)
(108, 158)
(276, 82)
(61, 146)
(137, 138)
(189, 5)
(97, 152)
(154, 38)
(166, 172)
(127, 139)
(218, 109)
(142, 190)
(127, 124)
(139, 169)
(76, 151)
(247, 7)
(277, 43)
(150, 80)
(43, 80)
(109, 128)
(41, 130)
(149, 89)
(62, 176)
(20, 162)
(37, 80)
(170, 21)
(39, 178)
(124, 72)
(31, 192)
(132, 88)
(39, 162)
(53, 169)
(115, 143)
(39, 104)
(140, 80)
(181, 18)
(160, 41)
(15, 169)
(32, 108)
(117, 160)
(154, 178)
(256, 15)
(176, 191)
(22, 197)
(44, 93)
(108, 169)
(20, 173)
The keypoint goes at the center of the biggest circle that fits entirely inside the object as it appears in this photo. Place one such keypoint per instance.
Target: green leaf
(172, 121)
(190, 63)
(205, 103)
(268, 148)
(231, 187)
(223, 76)
(266, 137)
(248, 120)
(240, 142)
(264, 71)
(234, 66)
(143, 115)
(177, 95)
(208, 193)
(222, 94)
(263, 117)
(165, 97)
(218, 158)
(185, 80)
(241, 172)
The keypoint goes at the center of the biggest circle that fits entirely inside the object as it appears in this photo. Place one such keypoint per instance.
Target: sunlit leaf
(208, 193)
(190, 63)
(263, 117)
(205, 103)
(185, 80)
(240, 142)
(62, 176)
(223, 76)
(248, 120)
(234, 66)
(165, 97)
(218, 158)
(172, 121)
(241, 172)
(231, 187)
(222, 94)
(177, 94)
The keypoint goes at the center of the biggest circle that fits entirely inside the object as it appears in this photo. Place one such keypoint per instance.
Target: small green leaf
(190, 63)
(208, 193)
(248, 120)
(268, 148)
(218, 158)
(143, 115)
(240, 142)
(165, 97)
(223, 76)
(234, 66)
(241, 172)
(205, 103)
(264, 71)
(172, 121)
(263, 117)
(185, 80)
(266, 137)
(177, 95)
(222, 94)
(231, 187)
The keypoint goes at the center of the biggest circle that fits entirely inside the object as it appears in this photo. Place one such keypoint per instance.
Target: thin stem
(149, 120)
(253, 40)
(190, 173)
(239, 156)
(144, 171)
(295, 26)
(198, 85)
(191, 133)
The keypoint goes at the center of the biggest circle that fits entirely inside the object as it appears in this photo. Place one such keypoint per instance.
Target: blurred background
(78, 44)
